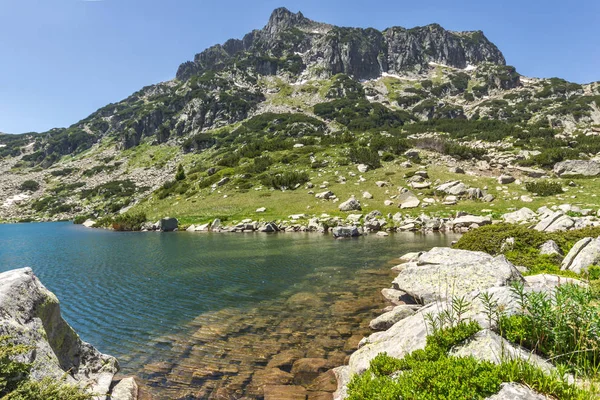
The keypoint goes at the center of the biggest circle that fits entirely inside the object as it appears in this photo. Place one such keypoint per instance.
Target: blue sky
(60, 60)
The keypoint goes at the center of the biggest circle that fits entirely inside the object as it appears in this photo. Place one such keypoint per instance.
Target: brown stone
(271, 376)
(285, 359)
(285, 392)
(305, 370)
(320, 396)
(326, 382)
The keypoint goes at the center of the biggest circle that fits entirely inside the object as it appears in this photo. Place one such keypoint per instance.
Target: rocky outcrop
(345, 231)
(167, 224)
(359, 53)
(443, 272)
(30, 314)
(575, 168)
(584, 253)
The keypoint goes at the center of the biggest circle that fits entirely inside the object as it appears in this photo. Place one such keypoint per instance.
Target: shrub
(563, 325)
(286, 180)
(544, 188)
(16, 385)
(30, 185)
(123, 222)
(80, 219)
(364, 155)
(180, 174)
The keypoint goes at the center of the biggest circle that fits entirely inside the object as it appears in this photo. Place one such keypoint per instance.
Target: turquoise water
(133, 295)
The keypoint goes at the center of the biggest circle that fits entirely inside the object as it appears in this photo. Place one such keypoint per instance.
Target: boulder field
(425, 286)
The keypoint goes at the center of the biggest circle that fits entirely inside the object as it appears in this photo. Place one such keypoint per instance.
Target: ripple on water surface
(205, 315)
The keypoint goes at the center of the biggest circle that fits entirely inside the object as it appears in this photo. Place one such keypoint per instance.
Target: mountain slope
(299, 101)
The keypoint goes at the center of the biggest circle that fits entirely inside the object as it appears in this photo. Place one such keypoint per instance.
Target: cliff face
(360, 53)
(30, 315)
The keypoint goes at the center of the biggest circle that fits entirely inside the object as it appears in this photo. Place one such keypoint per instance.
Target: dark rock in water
(345, 231)
(168, 224)
(30, 315)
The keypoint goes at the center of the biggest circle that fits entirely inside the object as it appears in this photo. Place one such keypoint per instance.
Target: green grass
(146, 155)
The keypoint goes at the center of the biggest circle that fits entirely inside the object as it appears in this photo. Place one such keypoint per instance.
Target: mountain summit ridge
(362, 53)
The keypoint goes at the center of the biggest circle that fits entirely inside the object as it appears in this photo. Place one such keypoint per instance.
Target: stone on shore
(443, 272)
(30, 315)
(386, 320)
(89, 223)
(345, 231)
(126, 389)
(350, 205)
(555, 222)
(456, 188)
(168, 224)
(408, 200)
(519, 216)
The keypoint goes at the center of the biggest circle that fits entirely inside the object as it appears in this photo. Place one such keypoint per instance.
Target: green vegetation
(544, 188)
(286, 180)
(360, 114)
(30, 185)
(123, 222)
(525, 251)
(16, 385)
(180, 174)
(563, 326)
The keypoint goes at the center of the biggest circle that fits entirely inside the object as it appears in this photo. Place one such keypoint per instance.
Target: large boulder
(519, 216)
(574, 168)
(468, 220)
(168, 224)
(350, 205)
(408, 200)
(386, 320)
(584, 253)
(555, 222)
(456, 188)
(443, 272)
(516, 391)
(345, 231)
(30, 315)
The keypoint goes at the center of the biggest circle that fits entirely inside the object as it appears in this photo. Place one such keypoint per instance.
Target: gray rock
(443, 272)
(350, 205)
(126, 389)
(89, 223)
(408, 200)
(191, 228)
(362, 168)
(325, 195)
(474, 193)
(216, 224)
(516, 391)
(345, 231)
(420, 185)
(386, 320)
(457, 170)
(270, 227)
(168, 224)
(30, 314)
(367, 195)
(223, 181)
(531, 172)
(584, 253)
(488, 198)
(468, 220)
(554, 222)
(456, 188)
(550, 248)
(487, 345)
(505, 179)
(574, 168)
(519, 216)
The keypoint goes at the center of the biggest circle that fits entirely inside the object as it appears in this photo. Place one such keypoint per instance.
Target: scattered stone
(456, 188)
(388, 203)
(89, 223)
(367, 195)
(381, 183)
(526, 199)
(126, 389)
(408, 200)
(350, 205)
(386, 320)
(505, 179)
(555, 222)
(325, 195)
(362, 168)
(516, 391)
(383, 234)
(488, 198)
(457, 170)
(261, 210)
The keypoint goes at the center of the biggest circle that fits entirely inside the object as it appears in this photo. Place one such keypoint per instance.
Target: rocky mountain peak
(282, 19)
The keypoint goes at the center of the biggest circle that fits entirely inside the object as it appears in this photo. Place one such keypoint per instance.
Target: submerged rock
(30, 315)
(345, 231)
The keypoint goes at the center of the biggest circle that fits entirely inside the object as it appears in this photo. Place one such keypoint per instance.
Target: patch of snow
(14, 200)
(470, 67)
(2, 145)
(302, 82)
(439, 65)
